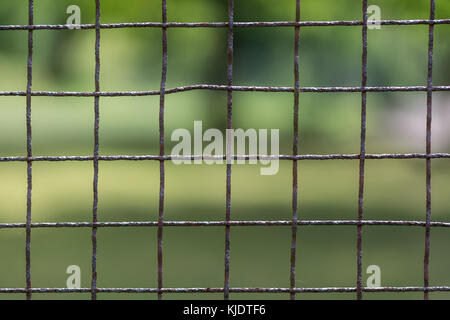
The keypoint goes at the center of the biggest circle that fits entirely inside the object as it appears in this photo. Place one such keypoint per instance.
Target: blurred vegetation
(329, 123)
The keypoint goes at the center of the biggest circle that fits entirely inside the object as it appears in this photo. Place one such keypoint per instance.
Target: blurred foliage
(131, 60)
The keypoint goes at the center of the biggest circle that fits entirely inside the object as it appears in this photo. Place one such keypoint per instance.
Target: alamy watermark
(235, 140)
(374, 17)
(74, 20)
(374, 280)
(74, 280)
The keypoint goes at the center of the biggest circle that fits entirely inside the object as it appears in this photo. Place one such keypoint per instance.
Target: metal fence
(230, 25)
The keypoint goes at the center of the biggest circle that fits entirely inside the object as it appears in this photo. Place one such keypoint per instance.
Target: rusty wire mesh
(359, 223)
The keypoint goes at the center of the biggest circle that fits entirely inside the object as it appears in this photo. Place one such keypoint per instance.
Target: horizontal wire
(223, 88)
(221, 290)
(225, 223)
(223, 24)
(397, 156)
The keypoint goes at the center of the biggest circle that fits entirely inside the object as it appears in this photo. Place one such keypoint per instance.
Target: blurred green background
(128, 191)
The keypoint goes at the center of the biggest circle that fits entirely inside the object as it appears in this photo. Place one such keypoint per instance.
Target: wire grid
(295, 157)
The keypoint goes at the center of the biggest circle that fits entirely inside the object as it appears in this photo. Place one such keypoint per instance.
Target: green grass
(193, 257)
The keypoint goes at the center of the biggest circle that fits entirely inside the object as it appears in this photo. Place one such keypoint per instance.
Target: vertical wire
(29, 148)
(96, 150)
(428, 149)
(229, 126)
(161, 149)
(362, 159)
(295, 151)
